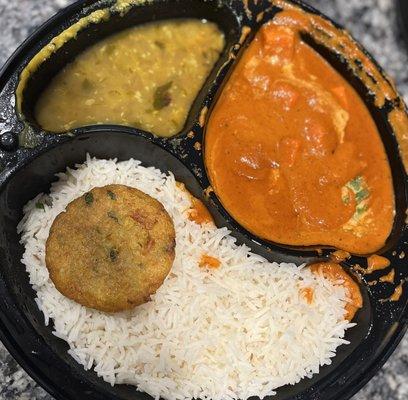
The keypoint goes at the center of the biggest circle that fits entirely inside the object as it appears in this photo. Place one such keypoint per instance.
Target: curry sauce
(146, 77)
(293, 153)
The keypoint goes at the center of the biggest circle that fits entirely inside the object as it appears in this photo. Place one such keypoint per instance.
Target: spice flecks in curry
(339, 256)
(55, 44)
(146, 77)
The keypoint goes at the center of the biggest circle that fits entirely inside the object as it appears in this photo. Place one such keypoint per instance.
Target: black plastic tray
(28, 171)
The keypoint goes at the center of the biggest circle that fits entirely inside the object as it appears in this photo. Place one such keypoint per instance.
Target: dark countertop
(372, 22)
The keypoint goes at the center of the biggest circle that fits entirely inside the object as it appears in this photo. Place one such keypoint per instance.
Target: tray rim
(27, 362)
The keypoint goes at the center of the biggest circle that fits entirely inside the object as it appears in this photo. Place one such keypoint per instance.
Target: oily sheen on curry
(293, 152)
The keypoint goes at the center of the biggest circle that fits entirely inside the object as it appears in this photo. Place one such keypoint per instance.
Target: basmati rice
(241, 330)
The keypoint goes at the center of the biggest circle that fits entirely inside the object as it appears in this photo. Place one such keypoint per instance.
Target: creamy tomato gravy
(293, 153)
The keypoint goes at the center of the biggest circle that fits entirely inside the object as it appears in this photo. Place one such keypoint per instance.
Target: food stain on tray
(146, 77)
(376, 262)
(396, 295)
(389, 278)
(336, 274)
(293, 139)
(397, 292)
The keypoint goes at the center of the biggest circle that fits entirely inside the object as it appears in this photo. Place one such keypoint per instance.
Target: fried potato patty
(111, 249)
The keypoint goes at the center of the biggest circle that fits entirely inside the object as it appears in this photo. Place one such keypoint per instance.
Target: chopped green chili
(162, 96)
(361, 192)
(113, 254)
(39, 205)
(89, 198)
(112, 195)
(362, 195)
(361, 210)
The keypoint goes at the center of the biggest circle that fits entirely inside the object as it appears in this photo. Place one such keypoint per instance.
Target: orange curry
(293, 153)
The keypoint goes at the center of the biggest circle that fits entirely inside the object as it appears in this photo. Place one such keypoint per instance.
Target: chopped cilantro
(89, 198)
(356, 183)
(113, 254)
(39, 205)
(361, 209)
(112, 195)
(362, 195)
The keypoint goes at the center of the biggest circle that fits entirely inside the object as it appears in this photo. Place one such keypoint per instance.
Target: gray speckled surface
(372, 22)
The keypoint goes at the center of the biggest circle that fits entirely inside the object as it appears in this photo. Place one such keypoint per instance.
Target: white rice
(238, 331)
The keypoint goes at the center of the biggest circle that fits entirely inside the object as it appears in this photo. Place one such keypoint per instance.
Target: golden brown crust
(111, 249)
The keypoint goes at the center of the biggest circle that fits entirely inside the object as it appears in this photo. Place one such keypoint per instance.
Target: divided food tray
(30, 158)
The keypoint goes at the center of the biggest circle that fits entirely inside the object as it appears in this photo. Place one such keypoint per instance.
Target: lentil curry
(292, 151)
(146, 77)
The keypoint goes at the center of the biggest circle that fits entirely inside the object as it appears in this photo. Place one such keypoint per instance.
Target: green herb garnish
(112, 195)
(362, 195)
(113, 254)
(39, 205)
(89, 198)
(111, 214)
(356, 183)
(358, 187)
(162, 96)
(346, 198)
